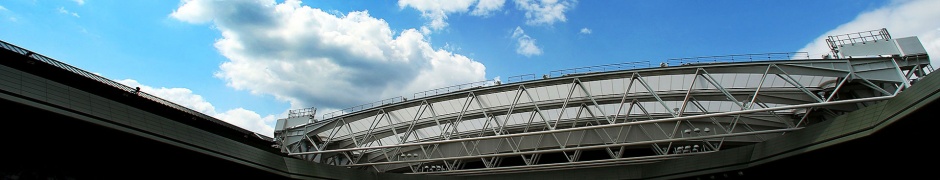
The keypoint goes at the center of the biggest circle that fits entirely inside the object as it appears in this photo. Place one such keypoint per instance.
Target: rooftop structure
(772, 115)
(618, 114)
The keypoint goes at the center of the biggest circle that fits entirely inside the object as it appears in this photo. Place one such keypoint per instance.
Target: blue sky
(249, 61)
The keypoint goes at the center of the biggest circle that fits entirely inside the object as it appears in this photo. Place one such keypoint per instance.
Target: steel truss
(601, 119)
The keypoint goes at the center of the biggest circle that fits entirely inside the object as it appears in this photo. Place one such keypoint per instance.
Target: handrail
(103, 80)
(601, 68)
(417, 95)
(363, 107)
(738, 58)
(453, 88)
(311, 111)
(520, 78)
(858, 37)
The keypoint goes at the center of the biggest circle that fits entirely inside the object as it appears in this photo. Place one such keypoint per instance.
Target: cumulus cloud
(63, 11)
(310, 57)
(545, 12)
(239, 117)
(437, 11)
(526, 46)
(80, 2)
(902, 18)
(249, 120)
(585, 31)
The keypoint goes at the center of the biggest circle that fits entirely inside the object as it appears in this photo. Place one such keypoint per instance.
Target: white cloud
(585, 31)
(450, 47)
(314, 58)
(186, 98)
(80, 2)
(425, 30)
(526, 45)
(437, 11)
(902, 19)
(4, 12)
(194, 11)
(63, 11)
(487, 7)
(545, 12)
(249, 120)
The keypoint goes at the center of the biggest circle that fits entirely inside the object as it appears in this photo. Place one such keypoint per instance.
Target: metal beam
(583, 147)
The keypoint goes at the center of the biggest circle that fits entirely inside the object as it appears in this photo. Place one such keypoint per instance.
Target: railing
(363, 107)
(738, 58)
(859, 37)
(521, 78)
(70, 68)
(600, 68)
(311, 111)
(453, 88)
(415, 96)
(581, 70)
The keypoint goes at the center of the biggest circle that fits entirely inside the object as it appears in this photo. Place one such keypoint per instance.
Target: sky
(248, 62)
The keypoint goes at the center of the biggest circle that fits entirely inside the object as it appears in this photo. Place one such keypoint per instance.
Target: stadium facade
(767, 115)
